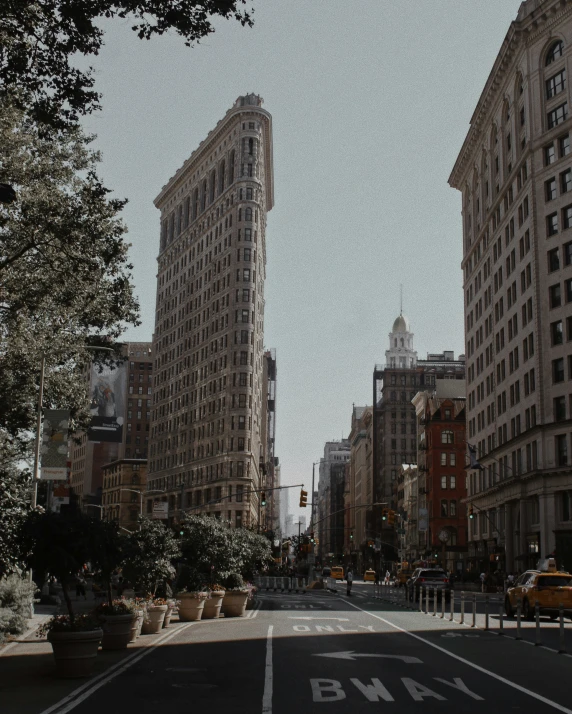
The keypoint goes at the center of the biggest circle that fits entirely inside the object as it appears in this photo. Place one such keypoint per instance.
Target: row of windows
(555, 294)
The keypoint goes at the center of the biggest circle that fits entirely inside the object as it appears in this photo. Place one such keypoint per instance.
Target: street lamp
(141, 494)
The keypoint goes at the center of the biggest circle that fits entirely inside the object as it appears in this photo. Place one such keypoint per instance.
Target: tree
(39, 40)
(206, 546)
(109, 550)
(251, 551)
(149, 555)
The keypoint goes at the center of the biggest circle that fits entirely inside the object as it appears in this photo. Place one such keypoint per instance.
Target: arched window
(556, 50)
(212, 187)
(204, 196)
(248, 214)
(446, 437)
(221, 176)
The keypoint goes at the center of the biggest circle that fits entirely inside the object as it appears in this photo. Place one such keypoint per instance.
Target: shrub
(15, 597)
(234, 582)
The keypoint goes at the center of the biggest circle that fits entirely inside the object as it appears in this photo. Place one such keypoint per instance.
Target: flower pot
(213, 604)
(118, 631)
(234, 603)
(153, 621)
(136, 625)
(190, 606)
(169, 613)
(75, 652)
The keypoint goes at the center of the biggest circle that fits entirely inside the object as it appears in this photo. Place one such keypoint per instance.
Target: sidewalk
(27, 681)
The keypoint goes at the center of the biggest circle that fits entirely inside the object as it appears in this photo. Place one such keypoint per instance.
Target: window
(550, 189)
(568, 289)
(446, 437)
(567, 216)
(452, 482)
(557, 333)
(564, 145)
(452, 508)
(555, 84)
(443, 458)
(558, 370)
(553, 260)
(561, 450)
(568, 253)
(452, 461)
(566, 180)
(555, 296)
(556, 51)
(444, 509)
(552, 224)
(549, 154)
(557, 116)
(559, 408)
(443, 482)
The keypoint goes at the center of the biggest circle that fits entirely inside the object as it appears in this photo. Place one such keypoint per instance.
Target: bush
(234, 582)
(15, 596)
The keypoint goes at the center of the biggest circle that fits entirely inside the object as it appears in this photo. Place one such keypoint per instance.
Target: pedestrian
(376, 578)
(482, 578)
(387, 576)
(349, 581)
(80, 586)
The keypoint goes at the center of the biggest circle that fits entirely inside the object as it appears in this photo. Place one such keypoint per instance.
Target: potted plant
(137, 626)
(213, 603)
(190, 595)
(235, 596)
(60, 544)
(118, 620)
(171, 605)
(154, 615)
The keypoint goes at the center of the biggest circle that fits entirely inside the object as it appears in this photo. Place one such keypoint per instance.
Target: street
(297, 652)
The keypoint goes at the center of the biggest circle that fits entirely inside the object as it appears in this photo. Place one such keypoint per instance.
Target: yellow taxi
(337, 572)
(549, 587)
(369, 576)
(403, 576)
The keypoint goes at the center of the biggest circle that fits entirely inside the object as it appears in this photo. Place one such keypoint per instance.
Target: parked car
(550, 588)
(432, 578)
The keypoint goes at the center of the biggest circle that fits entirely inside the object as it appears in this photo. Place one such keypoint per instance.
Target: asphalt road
(320, 651)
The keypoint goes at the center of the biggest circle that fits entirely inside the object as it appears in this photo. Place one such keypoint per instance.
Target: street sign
(161, 509)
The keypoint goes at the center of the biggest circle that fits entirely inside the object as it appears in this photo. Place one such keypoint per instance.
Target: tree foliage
(39, 39)
(149, 553)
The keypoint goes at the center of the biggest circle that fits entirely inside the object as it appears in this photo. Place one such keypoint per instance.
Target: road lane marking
(351, 655)
(301, 617)
(86, 690)
(458, 683)
(498, 677)
(267, 696)
(373, 691)
(320, 686)
(419, 692)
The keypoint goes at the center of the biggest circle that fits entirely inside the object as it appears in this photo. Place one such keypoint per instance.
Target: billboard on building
(107, 402)
(54, 448)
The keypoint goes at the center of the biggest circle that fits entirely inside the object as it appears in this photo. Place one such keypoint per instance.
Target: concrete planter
(75, 652)
(234, 603)
(154, 618)
(169, 613)
(136, 625)
(190, 607)
(117, 631)
(213, 605)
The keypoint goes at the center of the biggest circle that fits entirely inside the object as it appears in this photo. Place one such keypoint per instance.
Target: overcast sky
(371, 102)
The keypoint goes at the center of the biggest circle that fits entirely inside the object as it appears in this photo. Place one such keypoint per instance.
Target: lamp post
(95, 505)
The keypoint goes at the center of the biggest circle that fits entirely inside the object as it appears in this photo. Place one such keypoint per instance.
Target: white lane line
(256, 610)
(86, 690)
(267, 696)
(530, 693)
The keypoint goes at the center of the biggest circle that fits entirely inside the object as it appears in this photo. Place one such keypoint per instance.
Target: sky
(371, 101)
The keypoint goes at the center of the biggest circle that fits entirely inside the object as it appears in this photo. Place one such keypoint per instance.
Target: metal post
(452, 617)
(501, 614)
(443, 605)
(38, 440)
(474, 611)
(434, 602)
(518, 616)
(537, 618)
(421, 599)
(462, 621)
(486, 612)
(426, 600)
(562, 641)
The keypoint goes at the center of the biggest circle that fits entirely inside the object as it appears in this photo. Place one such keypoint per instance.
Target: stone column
(547, 507)
(509, 537)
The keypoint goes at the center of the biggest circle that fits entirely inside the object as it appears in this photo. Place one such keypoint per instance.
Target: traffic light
(352, 535)
(471, 513)
(263, 498)
(303, 498)
(391, 518)
(384, 514)
(312, 536)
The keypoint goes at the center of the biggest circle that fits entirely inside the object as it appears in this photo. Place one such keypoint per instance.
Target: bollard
(434, 602)
(501, 613)
(426, 600)
(452, 617)
(462, 621)
(486, 612)
(518, 616)
(443, 605)
(562, 641)
(474, 611)
(537, 618)
(420, 594)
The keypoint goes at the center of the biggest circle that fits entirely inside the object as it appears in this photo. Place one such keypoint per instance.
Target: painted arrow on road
(351, 655)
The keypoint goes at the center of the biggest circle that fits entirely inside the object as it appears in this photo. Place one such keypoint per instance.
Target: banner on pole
(108, 388)
(54, 448)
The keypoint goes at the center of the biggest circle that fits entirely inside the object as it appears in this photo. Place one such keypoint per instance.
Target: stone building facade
(124, 486)
(206, 447)
(514, 172)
